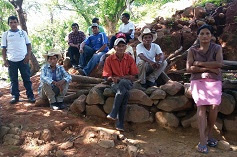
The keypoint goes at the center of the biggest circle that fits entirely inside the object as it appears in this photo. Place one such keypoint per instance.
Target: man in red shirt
(120, 68)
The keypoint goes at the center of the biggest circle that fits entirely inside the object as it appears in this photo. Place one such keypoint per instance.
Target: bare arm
(27, 57)
(102, 48)
(145, 58)
(214, 64)
(4, 56)
(81, 47)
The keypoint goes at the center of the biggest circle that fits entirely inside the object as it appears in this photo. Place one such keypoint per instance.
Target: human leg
(74, 55)
(92, 63)
(13, 74)
(142, 67)
(25, 74)
(85, 56)
(213, 112)
(202, 124)
(156, 72)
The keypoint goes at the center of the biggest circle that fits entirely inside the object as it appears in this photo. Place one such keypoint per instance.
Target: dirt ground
(150, 139)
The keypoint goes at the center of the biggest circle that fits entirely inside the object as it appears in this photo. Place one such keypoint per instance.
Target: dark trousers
(120, 101)
(74, 55)
(25, 75)
(113, 38)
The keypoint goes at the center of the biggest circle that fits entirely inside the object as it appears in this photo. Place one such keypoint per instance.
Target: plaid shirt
(76, 38)
(46, 75)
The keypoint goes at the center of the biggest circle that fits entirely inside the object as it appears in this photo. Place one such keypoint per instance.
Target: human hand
(6, 63)
(81, 50)
(26, 60)
(115, 79)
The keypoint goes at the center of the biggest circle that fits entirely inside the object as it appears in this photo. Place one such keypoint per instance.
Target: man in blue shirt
(92, 49)
(54, 81)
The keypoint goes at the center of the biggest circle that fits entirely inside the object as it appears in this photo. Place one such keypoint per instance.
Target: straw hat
(51, 53)
(147, 31)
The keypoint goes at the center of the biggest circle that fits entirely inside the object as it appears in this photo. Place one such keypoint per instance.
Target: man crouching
(54, 81)
(120, 68)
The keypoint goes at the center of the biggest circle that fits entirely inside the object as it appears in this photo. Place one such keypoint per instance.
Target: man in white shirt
(150, 59)
(127, 28)
(16, 51)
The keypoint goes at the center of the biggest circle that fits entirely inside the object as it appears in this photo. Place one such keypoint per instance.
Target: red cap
(120, 35)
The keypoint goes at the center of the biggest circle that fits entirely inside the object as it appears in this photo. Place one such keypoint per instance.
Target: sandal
(202, 148)
(212, 142)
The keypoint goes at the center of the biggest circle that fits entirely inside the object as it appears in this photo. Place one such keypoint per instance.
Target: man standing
(92, 49)
(54, 81)
(150, 59)
(16, 51)
(127, 28)
(120, 68)
(101, 28)
(75, 38)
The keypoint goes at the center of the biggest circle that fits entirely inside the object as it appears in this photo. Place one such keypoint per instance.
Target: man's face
(120, 48)
(147, 39)
(75, 29)
(52, 60)
(124, 19)
(95, 30)
(13, 24)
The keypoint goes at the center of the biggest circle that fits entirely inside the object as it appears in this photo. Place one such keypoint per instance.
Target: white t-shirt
(15, 43)
(125, 28)
(150, 54)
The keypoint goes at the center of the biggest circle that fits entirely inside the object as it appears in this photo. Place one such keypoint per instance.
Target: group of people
(120, 67)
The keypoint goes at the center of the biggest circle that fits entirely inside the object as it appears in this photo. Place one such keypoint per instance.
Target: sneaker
(61, 105)
(31, 99)
(120, 129)
(110, 118)
(81, 72)
(150, 84)
(14, 100)
(54, 106)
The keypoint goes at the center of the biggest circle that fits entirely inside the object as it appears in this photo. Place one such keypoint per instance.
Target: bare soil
(152, 140)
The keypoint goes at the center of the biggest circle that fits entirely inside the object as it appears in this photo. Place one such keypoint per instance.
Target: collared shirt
(46, 75)
(76, 38)
(114, 67)
(96, 41)
(16, 44)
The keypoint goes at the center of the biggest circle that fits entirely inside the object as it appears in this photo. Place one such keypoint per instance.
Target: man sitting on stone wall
(150, 59)
(120, 68)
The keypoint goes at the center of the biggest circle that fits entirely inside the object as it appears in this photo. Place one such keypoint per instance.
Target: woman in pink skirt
(204, 62)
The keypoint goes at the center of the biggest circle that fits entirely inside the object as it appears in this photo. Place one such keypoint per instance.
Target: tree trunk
(34, 64)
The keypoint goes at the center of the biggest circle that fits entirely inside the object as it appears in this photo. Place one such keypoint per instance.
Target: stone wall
(168, 105)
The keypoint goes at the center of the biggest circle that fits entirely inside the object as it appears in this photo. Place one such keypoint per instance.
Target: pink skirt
(206, 91)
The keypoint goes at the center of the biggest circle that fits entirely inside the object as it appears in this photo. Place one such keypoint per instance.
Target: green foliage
(216, 2)
(6, 9)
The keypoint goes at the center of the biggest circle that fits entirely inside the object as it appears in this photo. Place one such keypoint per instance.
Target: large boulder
(227, 105)
(11, 139)
(94, 110)
(188, 12)
(79, 105)
(187, 90)
(172, 87)
(137, 114)
(167, 119)
(230, 123)
(108, 92)
(190, 118)
(95, 96)
(175, 103)
(108, 104)
(139, 97)
(199, 12)
(150, 90)
(158, 94)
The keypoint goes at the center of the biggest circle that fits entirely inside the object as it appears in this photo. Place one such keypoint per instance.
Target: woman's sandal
(212, 142)
(202, 148)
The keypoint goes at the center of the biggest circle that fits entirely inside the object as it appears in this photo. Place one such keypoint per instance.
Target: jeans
(74, 55)
(120, 101)
(86, 56)
(25, 75)
(94, 60)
